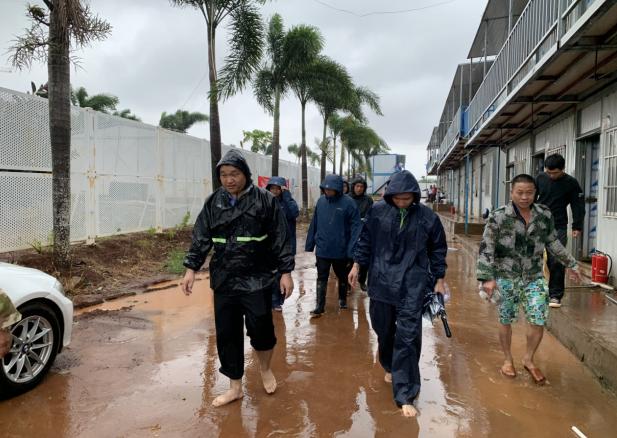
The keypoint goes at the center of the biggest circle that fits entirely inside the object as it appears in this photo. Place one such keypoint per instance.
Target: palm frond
(245, 49)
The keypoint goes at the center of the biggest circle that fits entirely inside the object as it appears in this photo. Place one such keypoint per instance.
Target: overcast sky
(155, 61)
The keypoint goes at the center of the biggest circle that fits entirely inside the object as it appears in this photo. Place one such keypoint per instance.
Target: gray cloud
(156, 56)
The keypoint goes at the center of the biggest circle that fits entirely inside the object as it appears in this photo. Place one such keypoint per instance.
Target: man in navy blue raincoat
(278, 187)
(334, 230)
(403, 244)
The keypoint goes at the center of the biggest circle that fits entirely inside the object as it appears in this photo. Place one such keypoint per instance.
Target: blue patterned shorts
(532, 296)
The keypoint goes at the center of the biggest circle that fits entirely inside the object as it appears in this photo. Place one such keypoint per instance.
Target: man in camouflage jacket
(511, 260)
(8, 316)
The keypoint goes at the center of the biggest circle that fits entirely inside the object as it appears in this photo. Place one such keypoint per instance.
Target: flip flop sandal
(509, 372)
(536, 375)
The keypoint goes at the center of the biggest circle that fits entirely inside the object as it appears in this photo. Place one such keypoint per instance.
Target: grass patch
(173, 264)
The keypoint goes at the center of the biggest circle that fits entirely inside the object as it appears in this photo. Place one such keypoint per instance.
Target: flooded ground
(146, 366)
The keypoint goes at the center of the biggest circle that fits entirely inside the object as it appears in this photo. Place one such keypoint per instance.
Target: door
(588, 154)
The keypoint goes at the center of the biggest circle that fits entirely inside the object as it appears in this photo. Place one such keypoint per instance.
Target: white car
(45, 327)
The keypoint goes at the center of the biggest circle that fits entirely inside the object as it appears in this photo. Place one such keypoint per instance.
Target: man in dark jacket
(364, 202)
(248, 231)
(334, 230)
(404, 246)
(557, 190)
(278, 187)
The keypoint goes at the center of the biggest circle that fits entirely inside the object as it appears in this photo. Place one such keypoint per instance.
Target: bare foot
(269, 381)
(409, 411)
(388, 378)
(229, 396)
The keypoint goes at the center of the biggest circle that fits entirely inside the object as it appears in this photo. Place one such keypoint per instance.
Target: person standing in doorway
(334, 230)
(510, 260)
(278, 187)
(403, 244)
(364, 203)
(557, 190)
(248, 231)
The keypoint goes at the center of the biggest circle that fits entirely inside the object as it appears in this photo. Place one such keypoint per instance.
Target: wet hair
(523, 178)
(555, 161)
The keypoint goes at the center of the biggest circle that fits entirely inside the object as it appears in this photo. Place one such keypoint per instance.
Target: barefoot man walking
(511, 259)
(404, 247)
(248, 231)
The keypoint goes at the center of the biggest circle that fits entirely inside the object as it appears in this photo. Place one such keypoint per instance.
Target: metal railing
(532, 36)
(452, 135)
(537, 31)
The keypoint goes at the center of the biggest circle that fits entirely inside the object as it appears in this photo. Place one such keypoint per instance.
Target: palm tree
(99, 102)
(181, 121)
(362, 142)
(126, 114)
(55, 29)
(312, 156)
(286, 53)
(246, 33)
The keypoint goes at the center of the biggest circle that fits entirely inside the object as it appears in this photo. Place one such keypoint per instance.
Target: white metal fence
(126, 176)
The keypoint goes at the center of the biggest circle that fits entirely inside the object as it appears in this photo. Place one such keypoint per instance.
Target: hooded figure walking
(278, 187)
(334, 230)
(248, 231)
(364, 202)
(403, 244)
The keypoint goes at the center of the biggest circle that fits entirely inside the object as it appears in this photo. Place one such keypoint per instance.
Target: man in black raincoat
(248, 231)
(404, 246)
(364, 202)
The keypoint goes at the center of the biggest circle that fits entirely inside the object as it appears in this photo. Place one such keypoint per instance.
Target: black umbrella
(434, 306)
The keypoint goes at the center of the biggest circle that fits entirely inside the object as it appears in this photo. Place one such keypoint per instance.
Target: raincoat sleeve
(577, 204)
(486, 257)
(8, 314)
(292, 206)
(362, 253)
(437, 250)
(554, 246)
(201, 243)
(309, 245)
(279, 236)
(356, 228)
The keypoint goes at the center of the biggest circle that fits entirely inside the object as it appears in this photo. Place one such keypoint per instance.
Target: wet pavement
(146, 366)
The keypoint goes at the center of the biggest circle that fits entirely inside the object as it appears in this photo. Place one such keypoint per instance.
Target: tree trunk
(276, 131)
(342, 157)
(324, 154)
(334, 154)
(304, 164)
(58, 69)
(348, 162)
(215, 124)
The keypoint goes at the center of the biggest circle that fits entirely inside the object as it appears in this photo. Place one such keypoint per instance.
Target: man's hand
(352, 278)
(575, 275)
(489, 287)
(6, 341)
(187, 282)
(440, 286)
(287, 285)
(576, 233)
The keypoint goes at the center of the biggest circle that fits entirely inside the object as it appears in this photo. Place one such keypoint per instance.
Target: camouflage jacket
(509, 249)
(8, 314)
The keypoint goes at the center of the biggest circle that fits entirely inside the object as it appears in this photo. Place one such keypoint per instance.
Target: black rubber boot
(322, 287)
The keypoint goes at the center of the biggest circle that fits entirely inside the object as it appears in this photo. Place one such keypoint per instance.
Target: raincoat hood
(402, 182)
(333, 182)
(236, 159)
(276, 181)
(358, 180)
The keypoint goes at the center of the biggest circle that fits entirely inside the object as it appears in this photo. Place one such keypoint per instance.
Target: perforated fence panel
(126, 176)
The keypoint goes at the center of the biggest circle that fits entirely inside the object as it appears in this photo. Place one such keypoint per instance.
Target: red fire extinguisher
(601, 265)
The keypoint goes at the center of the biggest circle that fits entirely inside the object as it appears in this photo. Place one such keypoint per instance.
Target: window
(610, 174)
